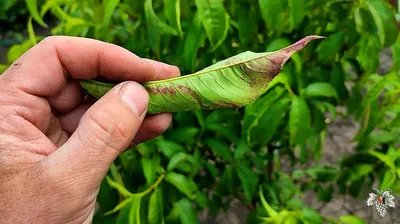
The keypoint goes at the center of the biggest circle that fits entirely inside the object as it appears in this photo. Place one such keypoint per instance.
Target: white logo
(381, 200)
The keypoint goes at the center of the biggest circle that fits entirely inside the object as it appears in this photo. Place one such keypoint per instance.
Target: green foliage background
(208, 158)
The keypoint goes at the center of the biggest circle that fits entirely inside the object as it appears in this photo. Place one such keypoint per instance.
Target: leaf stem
(148, 190)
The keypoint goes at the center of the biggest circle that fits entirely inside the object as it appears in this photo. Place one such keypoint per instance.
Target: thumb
(105, 131)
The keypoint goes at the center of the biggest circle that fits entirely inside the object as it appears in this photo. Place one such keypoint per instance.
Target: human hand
(55, 147)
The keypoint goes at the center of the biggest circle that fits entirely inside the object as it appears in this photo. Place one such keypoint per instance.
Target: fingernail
(135, 96)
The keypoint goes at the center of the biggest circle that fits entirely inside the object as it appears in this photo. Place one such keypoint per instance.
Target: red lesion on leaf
(152, 89)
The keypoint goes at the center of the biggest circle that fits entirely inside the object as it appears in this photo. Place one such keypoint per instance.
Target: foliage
(208, 158)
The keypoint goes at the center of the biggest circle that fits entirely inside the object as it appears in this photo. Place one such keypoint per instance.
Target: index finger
(43, 70)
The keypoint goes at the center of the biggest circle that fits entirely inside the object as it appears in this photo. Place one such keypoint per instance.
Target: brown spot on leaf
(152, 89)
(168, 89)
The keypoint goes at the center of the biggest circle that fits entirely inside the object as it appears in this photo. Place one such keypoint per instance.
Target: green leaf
(311, 216)
(121, 205)
(156, 211)
(325, 194)
(155, 21)
(322, 173)
(364, 20)
(169, 148)
(338, 81)
(360, 170)
(230, 83)
(17, 51)
(375, 91)
(150, 168)
(257, 109)
(396, 55)
(247, 23)
(31, 32)
(173, 12)
(109, 8)
(273, 11)
(368, 45)
(241, 149)
(351, 219)
(219, 148)
(299, 121)
(134, 216)
(328, 49)
(212, 169)
(182, 183)
(195, 39)
(226, 184)
(384, 158)
(385, 22)
(297, 9)
(33, 10)
(318, 89)
(215, 21)
(269, 121)
(249, 180)
(178, 159)
(389, 179)
(187, 212)
(271, 212)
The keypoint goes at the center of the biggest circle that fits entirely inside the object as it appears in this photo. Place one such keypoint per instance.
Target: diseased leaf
(299, 121)
(385, 22)
(173, 12)
(33, 9)
(230, 83)
(215, 20)
(109, 8)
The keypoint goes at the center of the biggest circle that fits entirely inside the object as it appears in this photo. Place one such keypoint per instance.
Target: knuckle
(108, 130)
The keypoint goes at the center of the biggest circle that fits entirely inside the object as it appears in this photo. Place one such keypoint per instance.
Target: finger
(70, 121)
(153, 126)
(55, 133)
(105, 130)
(68, 98)
(44, 68)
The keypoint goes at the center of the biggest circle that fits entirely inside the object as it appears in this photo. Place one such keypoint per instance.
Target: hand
(56, 147)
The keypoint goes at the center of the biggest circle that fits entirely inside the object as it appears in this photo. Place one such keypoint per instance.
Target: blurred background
(310, 150)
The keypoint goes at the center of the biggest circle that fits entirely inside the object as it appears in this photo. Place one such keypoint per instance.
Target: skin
(55, 145)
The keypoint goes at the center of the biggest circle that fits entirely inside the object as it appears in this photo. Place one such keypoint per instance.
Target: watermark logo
(381, 200)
